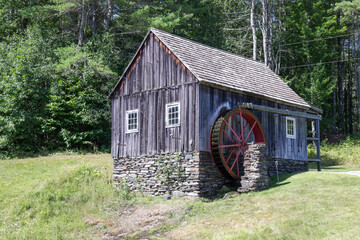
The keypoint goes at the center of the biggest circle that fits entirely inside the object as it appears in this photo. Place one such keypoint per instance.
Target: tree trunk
(264, 31)
(93, 21)
(350, 92)
(334, 110)
(252, 22)
(356, 65)
(346, 109)
(82, 25)
(270, 42)
(281, 14)
(108, 15)
(340, 87)
(340, 80)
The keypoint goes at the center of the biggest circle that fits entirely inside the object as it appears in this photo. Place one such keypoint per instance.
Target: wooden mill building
(191, 109)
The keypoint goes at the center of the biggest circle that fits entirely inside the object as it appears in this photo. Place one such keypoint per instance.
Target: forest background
(59, 59)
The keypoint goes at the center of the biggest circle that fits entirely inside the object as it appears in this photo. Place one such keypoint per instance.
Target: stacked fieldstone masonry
(194, 174)
(286, 166)
(256, 176)
(179, 174)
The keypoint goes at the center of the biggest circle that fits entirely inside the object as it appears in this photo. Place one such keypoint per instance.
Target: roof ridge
(217, 49)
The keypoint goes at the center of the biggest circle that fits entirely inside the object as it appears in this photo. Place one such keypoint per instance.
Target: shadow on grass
(282, 180)
(313, 167)
(231, 189)
(325, 167)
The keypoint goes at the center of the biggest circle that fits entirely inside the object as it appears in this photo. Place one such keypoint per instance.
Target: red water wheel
(230, 137)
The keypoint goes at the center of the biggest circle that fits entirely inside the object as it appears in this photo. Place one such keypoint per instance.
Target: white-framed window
(290, 127)
(132, 121)
(172, 114)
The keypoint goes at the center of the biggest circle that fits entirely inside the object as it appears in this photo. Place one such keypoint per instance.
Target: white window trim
(127, 121)
(167, 106)
(294, 122)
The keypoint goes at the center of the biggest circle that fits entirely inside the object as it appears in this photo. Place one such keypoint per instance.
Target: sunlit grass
(51, 197)
(303, 206)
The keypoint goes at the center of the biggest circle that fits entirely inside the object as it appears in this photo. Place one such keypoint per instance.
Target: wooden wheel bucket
(230, 137)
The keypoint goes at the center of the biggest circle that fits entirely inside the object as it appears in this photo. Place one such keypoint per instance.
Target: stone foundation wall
(190, 174)
(287, 166)
(179, 174)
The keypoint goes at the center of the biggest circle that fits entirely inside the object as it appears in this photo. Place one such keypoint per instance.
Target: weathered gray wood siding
(213, 101)
(153, 80)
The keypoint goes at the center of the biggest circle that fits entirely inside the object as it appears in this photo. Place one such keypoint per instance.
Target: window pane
(132, 120)
(290, 127)
(173, 115)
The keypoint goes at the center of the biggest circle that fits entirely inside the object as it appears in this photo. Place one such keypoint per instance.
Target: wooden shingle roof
(222, 68)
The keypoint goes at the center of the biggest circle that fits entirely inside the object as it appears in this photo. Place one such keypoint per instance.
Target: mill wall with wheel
(290, 153)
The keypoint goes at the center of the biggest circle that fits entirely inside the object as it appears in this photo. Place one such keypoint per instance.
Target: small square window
(290, 127)
(172, 115)
(132, 121)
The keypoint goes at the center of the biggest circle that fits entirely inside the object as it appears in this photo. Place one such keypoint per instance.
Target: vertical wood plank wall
(213, 102)
(155, 79)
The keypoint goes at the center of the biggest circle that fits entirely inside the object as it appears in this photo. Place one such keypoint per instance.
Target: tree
(351, 11)
(253, 28)
(25, 75)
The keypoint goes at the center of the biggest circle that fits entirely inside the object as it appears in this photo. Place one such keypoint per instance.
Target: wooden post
(318, 145)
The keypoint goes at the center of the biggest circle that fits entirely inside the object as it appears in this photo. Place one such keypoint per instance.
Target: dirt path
(354, 173)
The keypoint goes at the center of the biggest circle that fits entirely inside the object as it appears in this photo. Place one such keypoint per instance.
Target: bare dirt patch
(143, 222)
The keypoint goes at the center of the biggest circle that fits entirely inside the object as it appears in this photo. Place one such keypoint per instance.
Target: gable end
(139, 55)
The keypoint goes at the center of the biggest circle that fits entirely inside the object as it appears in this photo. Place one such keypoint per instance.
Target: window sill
(171, 126)
(132, 131)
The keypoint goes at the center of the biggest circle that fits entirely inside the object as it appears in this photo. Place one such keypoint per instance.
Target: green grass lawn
(54, 198)
(303, 206)
(50, 197)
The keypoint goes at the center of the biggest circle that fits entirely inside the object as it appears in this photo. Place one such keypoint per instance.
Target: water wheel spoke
(227, 160)
(228, 136)
(232, 130)
(232, 145)
(236, 159)
(250, 131)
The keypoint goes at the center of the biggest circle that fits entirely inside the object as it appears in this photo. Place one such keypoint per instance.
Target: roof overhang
(284, 112)
(241, 91)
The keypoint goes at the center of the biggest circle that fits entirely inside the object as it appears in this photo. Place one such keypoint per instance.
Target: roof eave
(244, 92)
(315, 108)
